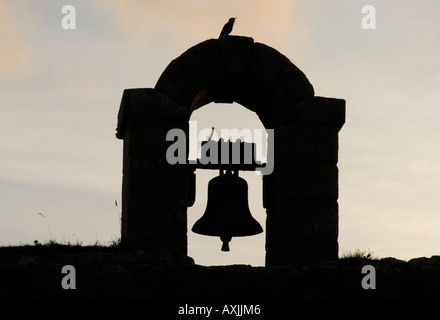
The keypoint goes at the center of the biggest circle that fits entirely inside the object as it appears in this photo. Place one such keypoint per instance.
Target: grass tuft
(359, 254)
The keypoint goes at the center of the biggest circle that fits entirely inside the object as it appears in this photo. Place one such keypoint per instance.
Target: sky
(60, 91)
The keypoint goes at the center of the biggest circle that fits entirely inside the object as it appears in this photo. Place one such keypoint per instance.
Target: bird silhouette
(227, 28)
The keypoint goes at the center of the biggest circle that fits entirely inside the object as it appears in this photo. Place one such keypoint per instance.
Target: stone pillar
(154, 193)
(301, 194)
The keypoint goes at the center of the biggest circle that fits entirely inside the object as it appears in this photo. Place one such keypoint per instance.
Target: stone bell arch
(300, 196)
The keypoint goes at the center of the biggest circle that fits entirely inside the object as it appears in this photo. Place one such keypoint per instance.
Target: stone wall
(111, 274)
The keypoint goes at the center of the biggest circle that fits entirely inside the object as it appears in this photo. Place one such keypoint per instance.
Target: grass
(47, 223)
(53, 246)
(359, 254)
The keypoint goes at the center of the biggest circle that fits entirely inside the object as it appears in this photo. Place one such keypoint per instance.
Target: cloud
(171, 22)
(15, 53)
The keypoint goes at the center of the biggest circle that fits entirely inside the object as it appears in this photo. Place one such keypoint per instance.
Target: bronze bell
(227, 212)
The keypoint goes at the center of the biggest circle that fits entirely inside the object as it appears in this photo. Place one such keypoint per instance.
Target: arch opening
(205, 250)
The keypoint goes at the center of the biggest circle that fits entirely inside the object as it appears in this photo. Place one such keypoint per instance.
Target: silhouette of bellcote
(227, 28)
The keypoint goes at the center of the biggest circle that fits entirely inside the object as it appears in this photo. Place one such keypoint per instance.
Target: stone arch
(236, 69)
(301, 194)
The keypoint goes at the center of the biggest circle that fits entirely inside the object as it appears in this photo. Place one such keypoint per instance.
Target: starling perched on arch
(227, 28)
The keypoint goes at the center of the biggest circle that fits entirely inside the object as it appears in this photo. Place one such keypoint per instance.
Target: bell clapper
(225, 240)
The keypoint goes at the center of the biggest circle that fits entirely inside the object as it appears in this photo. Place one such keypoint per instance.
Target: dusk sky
(61, 90)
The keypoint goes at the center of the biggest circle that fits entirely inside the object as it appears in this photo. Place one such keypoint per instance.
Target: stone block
(146, 103)
(287, 84)
(177, 83)
(146, 138)
(315, 110)
(306, 143)
(304, 218)
(155, 176)
(300, 251)
(321, 249)
(236, 51)
(205, 62)
(304, 181)
(156, 222)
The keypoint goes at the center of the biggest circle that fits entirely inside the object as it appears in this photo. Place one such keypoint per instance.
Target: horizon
(61, 90)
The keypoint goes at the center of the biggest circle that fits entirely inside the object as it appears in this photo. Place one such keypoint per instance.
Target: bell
(227, 212)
